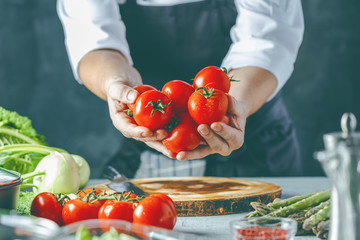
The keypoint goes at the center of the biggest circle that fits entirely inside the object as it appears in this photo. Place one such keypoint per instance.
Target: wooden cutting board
(205, 196)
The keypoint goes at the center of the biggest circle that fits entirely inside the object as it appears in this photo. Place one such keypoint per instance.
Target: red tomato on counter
(157, 210)
(153, 109)
(113, 209)
(212, 77)
(76, 210)
(46, 205)
(207, 105)
(184, 136)
(179, 92)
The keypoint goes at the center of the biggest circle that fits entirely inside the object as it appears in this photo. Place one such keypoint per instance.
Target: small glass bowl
(97, 227)
(264, 228)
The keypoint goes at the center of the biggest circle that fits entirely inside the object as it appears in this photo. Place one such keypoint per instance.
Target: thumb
(121, 92)
(237, 113)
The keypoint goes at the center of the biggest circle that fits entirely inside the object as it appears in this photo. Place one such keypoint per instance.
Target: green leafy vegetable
(24, 158)
(24, 202)
(16, 132)
(23, 150)
(15, 129)
(83, 234)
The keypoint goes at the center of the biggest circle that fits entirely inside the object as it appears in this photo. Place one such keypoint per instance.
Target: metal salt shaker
(341, 163)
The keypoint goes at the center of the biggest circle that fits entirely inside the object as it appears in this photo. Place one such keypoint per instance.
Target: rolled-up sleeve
(267, 34)
(90, 25)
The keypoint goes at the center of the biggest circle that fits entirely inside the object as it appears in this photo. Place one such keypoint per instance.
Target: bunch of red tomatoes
(155, 210)
(180, 107)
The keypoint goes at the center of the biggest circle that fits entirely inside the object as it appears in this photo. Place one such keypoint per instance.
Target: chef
(115, 45)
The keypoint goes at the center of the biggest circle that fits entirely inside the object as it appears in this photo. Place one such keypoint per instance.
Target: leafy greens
(21, 147)
(16, 129)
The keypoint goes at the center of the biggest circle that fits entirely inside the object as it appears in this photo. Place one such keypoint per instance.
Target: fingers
(233, 137)
(121, 92)
(220, 137)
(127, 126)
(237, 113)
(198, 153)
(213, 139)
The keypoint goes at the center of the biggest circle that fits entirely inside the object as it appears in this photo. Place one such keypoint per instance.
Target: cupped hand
(120, 94)
(219, 137)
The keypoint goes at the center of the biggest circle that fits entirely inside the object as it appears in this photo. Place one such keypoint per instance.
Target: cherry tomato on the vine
(213, 77)
(156, 210)
(207, 105)
(113, 209)
(184, 136)
(153, 109)
(46, 205)
(96, 192)
(179, 92)
(76, 210)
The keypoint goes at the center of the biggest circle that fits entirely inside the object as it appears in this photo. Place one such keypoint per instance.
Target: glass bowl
(264, 228)
(133, 231)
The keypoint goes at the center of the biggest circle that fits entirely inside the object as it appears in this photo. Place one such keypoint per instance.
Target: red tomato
(140, 89)
(156, 210)
(83, 193)
(76, 210)
(212, 77)
(115, 210)
(169, 201)
(179, 92)
(46, 205)
(184, 136)
(153, 110)
(208, 105)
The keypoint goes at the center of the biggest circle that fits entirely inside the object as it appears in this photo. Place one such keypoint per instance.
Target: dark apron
(175, 42)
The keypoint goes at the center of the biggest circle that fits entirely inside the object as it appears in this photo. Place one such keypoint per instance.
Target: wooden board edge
(222, 207)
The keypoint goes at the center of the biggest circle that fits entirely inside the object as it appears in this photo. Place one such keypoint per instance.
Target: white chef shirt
(267, 33)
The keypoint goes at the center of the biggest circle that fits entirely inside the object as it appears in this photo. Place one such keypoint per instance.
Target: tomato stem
(225, 70)
(62, 198)
(230, 78)
(206, 93)
(233, 80)
(128, 112)
(157, 106)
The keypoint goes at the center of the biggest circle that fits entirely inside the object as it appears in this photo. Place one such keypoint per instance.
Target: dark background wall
(36, 79)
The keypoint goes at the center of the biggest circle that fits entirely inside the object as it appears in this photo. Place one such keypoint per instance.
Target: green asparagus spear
(302, 204)
(317, 208)
(285, 202)
(313, 220)
(261, 208)
(324, 225)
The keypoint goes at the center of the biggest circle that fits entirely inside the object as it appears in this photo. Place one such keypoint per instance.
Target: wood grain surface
(205, 196)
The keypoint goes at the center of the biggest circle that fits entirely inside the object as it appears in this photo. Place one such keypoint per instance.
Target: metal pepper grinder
(341, 163)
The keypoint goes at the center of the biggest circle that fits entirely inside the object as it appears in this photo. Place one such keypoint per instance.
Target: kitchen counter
(214, 225)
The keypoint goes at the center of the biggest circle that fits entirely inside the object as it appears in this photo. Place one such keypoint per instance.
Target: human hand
(220, 137)
(120, 94)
